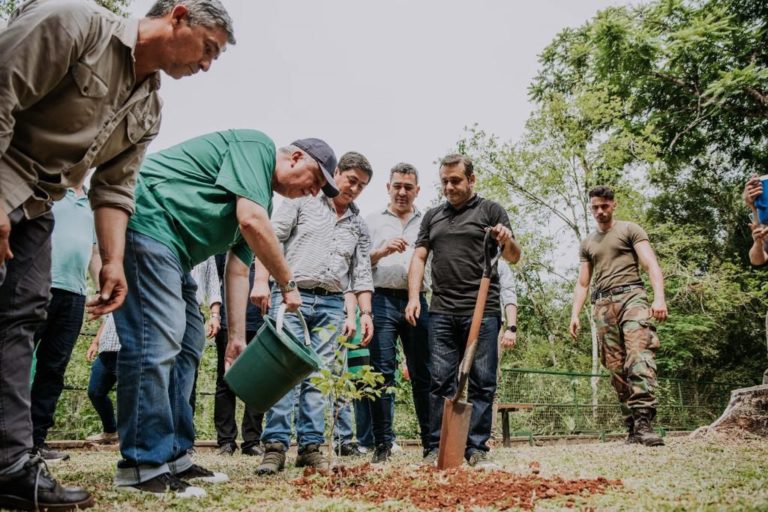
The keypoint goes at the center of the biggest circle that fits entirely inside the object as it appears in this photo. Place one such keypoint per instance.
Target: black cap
(325, 158)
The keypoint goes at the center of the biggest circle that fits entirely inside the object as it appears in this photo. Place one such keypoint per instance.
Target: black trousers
(57, 338)
(225, 403)
(25, 282)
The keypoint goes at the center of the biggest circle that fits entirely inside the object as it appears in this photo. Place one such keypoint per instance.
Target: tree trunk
(746, 412)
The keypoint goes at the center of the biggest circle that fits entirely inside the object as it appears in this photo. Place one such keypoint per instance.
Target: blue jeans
(448, 336)
(103, 379)
(57, 339)
(161, 337)
(324, 315)
(388, 324)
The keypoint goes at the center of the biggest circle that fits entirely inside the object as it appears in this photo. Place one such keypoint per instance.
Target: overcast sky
(396, 80)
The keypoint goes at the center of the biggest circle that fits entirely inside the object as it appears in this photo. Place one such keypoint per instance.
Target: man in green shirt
(204, 196)
(628, 341)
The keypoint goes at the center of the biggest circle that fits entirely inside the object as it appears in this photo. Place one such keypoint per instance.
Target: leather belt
(319, 291)
(616, 290)
(392, 292)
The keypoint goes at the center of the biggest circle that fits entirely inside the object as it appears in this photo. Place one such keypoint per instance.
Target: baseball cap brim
(329, 189)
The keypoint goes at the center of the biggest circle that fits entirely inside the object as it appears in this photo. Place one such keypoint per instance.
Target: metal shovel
(457, 413)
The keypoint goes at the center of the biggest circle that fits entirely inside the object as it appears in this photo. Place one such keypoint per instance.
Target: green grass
(687, 474)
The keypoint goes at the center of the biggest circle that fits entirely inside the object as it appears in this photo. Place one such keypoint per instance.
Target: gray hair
(404, 168)
(208, 13)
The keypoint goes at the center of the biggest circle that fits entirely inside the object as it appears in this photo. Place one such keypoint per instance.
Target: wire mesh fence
(572, 403)
(560, 402)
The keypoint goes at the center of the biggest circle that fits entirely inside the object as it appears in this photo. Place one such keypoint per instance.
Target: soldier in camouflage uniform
(610, 258)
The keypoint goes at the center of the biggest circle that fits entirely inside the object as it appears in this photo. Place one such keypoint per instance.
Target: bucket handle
(280, 318)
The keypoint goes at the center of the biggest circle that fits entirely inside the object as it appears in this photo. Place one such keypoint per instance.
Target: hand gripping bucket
(272, 363)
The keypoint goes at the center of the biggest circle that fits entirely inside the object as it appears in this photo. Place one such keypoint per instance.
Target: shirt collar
(352, 209)
(387, 211)
(469, 204)
(127, 33)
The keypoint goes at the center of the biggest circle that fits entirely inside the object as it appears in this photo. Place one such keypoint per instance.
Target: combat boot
(644, 434)
(274, 459)
(310, 456)
(631, 437)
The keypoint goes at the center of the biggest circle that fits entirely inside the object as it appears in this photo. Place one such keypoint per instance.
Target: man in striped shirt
(327, 245)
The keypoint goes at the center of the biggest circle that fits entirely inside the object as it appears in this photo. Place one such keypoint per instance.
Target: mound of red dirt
(429, 488)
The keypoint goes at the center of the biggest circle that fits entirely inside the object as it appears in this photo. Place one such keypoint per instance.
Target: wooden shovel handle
(474, 332)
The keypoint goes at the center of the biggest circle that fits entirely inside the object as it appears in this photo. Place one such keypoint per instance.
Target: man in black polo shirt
(453, 232)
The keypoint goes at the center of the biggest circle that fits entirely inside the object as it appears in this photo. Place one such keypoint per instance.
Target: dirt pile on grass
(428, 488)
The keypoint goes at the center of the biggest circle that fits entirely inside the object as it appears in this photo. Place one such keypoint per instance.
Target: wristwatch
(289, 286)
(512, 328)
(366, 312)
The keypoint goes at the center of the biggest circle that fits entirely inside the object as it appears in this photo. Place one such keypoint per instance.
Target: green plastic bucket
(272, 364)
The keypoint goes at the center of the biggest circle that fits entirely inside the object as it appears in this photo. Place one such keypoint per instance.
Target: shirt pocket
(139, 120)
(347, 235)
(88, 82)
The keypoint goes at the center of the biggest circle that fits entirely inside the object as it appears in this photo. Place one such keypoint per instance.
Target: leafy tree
(117, 6)
(694, 73)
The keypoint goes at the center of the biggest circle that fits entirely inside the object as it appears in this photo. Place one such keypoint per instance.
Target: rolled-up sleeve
(114, 181)
(285, 219)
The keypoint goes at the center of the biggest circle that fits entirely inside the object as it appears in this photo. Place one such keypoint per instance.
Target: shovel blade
(453, 434)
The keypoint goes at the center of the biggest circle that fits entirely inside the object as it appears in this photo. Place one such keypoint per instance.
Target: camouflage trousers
(628, 344)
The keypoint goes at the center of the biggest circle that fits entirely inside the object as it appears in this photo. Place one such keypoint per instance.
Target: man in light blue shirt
(74, 252)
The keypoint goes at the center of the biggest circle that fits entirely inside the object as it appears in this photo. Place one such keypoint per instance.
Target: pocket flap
(88, 82)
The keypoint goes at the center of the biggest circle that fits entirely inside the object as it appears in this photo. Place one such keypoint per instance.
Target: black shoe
(196, 472)
(644, 434)
(165, 483)
(33, 488)
(227, 449)
(382, 453)
(48, 454)
(349, 450)
(253, 450)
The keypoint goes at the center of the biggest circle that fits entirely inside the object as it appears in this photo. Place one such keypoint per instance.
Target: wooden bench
(505, 409)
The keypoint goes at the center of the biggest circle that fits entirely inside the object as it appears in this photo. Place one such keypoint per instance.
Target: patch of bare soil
(428, 488)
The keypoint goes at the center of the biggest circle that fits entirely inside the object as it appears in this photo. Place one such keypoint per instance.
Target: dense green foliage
(667, 103)
(117, 6)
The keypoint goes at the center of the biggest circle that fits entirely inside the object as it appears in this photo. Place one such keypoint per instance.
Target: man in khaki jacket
(78, 90)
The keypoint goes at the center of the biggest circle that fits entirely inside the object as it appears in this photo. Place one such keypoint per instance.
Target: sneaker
(349, 450)
(480, 460)
(382, 454)
(365, 449)
(643, 431)
(195, 472)
(273, 461)
(310, 456)
(48, 454)
(33, 488)
(165, 483)
(430, 457)
(226, 449)
(396, 448)
(253, 450)
(103, 438)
